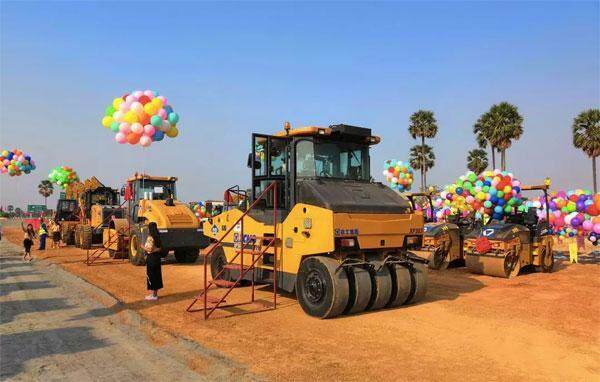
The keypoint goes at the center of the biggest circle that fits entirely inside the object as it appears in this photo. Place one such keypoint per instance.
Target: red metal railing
(97, 252)
(257, 254)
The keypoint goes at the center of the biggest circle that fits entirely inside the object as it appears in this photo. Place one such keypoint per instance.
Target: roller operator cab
(67, 215)
(342, 240)
(502, 248)
(443, 240)
(154, 199)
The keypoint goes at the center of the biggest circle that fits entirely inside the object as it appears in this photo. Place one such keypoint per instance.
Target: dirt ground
(534, 327)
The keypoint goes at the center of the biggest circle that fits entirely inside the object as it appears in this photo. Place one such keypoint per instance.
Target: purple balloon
(580, 206)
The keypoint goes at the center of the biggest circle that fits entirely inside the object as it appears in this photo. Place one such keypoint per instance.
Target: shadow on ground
(7, 288)
(18, 348)
(11, 309)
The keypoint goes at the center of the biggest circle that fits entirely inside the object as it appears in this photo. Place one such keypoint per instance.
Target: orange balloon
(143, 118)
(133, 138)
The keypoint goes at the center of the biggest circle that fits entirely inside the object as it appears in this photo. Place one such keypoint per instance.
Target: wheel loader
(98, 204)
(503, 248)
(337, 239)
(67, 215)
(443, 241)
(153, 199)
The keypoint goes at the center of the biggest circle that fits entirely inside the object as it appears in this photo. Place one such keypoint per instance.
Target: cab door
(270, 163)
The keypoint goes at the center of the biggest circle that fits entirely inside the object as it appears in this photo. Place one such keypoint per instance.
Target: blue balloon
(517, 189)
(459, 190)
(487, 183)
(169, 109)
(498, 210)
(158, 136)
(494, 199)
(501, 202)
(493, 191)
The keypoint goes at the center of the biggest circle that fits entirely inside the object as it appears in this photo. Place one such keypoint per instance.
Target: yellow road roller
(338, 239)
(154, 199)
(443, 241)
(502, 249)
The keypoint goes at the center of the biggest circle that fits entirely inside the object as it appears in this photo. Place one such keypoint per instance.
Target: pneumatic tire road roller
(502, 249)
(341, 242)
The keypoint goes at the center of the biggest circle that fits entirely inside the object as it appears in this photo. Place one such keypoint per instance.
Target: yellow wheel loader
(342, 242)
(502, 249)
(153, 199)
(98, 204)
(67, 215)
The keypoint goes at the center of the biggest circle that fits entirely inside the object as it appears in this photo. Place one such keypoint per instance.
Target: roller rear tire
(381, 282)
(402, 285)
(322, 288)
(418, 274)
(359, 290)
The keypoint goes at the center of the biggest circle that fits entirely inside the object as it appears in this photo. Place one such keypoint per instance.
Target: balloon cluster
(141, 117)
(199, 210)
(572, 213)
(492, 194)
(63, 176)
(15, 163)
(399, 175)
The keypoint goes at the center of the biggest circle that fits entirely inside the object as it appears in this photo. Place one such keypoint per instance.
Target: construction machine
(318, 225)
(154, 199)
(443, 240)
(67, 215)
(97, 205)
(502, 248)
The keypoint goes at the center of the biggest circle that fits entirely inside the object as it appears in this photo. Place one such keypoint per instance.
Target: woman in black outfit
(153, 262)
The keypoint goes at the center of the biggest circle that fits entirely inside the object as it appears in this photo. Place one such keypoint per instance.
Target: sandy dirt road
(51, 330)
(536, 327)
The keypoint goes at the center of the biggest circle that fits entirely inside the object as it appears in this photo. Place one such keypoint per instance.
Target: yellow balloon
(131, 117)
(117, 102)
(106, 121)
(150, 108)
(172, 132)
(157, 102)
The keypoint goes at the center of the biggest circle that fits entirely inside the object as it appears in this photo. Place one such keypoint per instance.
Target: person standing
(152, 247)
(28, 240)
(43, 233)
(55, 229)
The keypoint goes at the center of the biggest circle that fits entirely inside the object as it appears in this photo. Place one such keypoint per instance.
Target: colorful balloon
(63, 176)
(398, 174)
(140, 114)
(15, 163)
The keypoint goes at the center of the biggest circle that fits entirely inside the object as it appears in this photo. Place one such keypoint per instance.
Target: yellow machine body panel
(166, 217)
(308, 230)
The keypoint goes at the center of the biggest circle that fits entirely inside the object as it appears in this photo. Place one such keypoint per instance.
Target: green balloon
(114, 126)
(472, 177)
(110, 110)
(507, 209)
(500, 194)
(467, 185)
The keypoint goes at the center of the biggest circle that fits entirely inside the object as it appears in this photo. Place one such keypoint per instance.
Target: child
(28, 240)
(55, 228)
(43, 232)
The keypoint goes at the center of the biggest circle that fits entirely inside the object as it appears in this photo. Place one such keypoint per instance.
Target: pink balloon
(162, 113)
(149, 94)
(120, 137)
(138, 93)
(162, 98)
(137, 128)
(588, 225)
(145, 141)
(149, 130)
(125, 128)
(137, 107)
(130, 99)
(597, 228)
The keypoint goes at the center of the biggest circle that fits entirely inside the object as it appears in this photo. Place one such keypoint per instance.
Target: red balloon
(573, 198)
(507, 180)
(125, 96)
(592, 210)
(144, 99)
(133, 138)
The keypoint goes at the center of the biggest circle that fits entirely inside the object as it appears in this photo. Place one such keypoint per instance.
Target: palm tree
(422, 156)
(423, 125)
(586, 136)
(477, 161)
(499, 127)
(45, 188)
(483, 137)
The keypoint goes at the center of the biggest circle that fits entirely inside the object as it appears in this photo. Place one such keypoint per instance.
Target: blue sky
(230, 69)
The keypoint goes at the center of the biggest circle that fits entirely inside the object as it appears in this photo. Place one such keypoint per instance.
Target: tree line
(496, 130)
